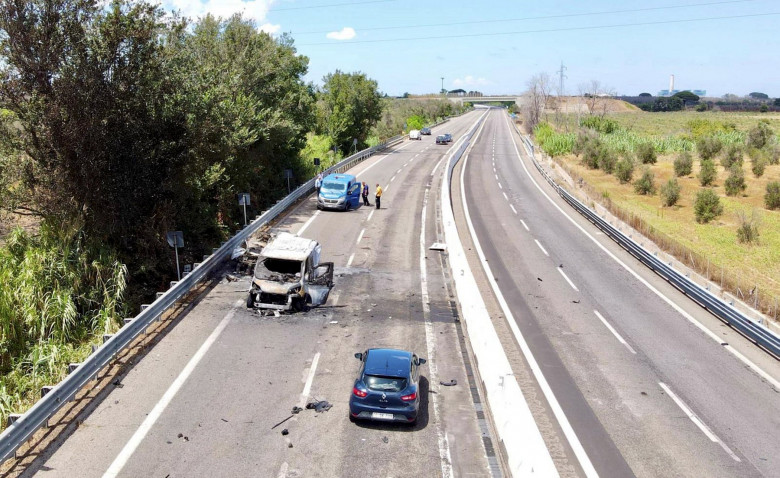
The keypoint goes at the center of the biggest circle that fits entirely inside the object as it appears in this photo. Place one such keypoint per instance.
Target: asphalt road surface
(205, 400)
(649, 383)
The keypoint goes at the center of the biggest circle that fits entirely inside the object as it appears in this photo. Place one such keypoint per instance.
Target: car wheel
(250, 301)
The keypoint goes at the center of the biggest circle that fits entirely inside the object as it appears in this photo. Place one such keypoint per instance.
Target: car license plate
(381, 416)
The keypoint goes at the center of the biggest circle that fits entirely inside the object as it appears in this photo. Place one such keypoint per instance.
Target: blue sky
(496, 46)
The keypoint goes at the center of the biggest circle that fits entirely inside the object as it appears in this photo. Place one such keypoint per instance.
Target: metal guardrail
(37, 416)
(754, 331)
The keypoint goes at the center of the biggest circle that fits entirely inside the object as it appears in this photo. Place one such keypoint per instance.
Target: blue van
(339, 191)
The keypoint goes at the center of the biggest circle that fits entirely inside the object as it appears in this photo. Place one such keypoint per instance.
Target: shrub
(645, 184)
(702, 107)
(773, 153)
(764, 109)
(624, 169)
(772, 196)
(735, 183)
(707, 206)
(707, 172)
(747, 232)
(758, 166)
(645, 152)
(584, 137)
(602, 125)
(607, 160)
(708, 146)
(732, 155)
(683, 164)
(591, 154)
(670, 192)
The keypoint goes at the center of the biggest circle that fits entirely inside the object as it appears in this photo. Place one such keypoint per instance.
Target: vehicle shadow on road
(422, 414)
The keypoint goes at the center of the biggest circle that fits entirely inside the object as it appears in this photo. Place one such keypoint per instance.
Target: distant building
(674, 92)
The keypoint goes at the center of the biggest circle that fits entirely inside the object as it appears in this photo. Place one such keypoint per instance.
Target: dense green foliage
(731, 155)
(646, 183)
(553, 143)
(735, 183)
(683, 164)
(772, 196)
(707, 172)
(645, 152)
(624, 169)
(397, 112)
(708, 146)
(707, 206)
(670, 192)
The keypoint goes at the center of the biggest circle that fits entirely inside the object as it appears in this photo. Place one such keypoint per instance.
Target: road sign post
(243, 200)
(176, 240)
(288, 173)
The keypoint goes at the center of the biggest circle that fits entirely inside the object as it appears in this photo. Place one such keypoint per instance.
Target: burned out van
(289, 276)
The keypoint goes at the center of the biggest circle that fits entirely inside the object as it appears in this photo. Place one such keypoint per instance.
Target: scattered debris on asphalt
(296, 410)
(117, 384)
(319, 406)
(224, 420)
(539, 279)
(450, 383)
(384, 439)
(285, 432)
(183, 437)
(289, 445)
(281, 422)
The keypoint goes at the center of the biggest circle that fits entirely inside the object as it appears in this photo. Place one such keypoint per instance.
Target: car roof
(390, 362)
(289, 247)
(340, 178)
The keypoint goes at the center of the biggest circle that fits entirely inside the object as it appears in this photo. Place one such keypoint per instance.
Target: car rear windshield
(336, 187)
(385, 384)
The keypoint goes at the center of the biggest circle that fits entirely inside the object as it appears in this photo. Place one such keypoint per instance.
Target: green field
(711, 248)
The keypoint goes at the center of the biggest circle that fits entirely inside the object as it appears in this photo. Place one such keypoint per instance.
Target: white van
(415, 134)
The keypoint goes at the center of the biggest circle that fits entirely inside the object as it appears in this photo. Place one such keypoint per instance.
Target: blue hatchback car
(387, 387)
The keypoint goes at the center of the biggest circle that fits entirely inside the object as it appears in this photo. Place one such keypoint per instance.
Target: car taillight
(359, 393)
(410, 397)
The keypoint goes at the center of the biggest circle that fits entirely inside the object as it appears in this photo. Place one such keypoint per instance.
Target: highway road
(627, 376)
(204, 401)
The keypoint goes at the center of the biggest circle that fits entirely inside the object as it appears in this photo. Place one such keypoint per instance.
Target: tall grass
(58, 294)
(553, 142)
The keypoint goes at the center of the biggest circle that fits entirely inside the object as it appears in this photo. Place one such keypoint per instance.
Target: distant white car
(415, 134)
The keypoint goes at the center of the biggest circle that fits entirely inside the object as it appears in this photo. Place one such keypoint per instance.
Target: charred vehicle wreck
(289, 276)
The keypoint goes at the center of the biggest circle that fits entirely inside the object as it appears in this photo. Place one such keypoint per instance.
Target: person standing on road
(318, 182)
(365, 194)
(378, 194)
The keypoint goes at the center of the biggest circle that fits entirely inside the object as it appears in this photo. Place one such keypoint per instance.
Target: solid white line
(505, 196)
(513, 209)
(698, 422)
(614, 332)
(444, 445)
(689, 317)
(567, 279)
(566, 427)
(351, 258)
(524, 225)
(541, 247)
(307, 223)
(370, 215)
(121, 460)
(437, 166)
(360, 236)
(309, 380)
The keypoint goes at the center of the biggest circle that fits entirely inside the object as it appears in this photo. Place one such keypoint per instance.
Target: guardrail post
(12, 418)
(127, 321)
(214, 251)
(106, 337)
(196, 265)
(46, 389)
(72, 367)
(157, 295)
(173, 283)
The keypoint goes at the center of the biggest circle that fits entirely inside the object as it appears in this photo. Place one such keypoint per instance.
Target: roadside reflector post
(176, 240)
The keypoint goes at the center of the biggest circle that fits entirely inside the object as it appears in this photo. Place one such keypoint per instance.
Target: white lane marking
(401, 169)
(494, 170)
(513, 209)
(351, 258)
(698, 422)
(496, 175)
(614, 332)
(541, 247)
(505, 196)
(567, 279)
(444, 445)
(392, 179)
(563, 421)
(406, 163)
(370, 215)
(360, 236)
(121, 460)
(307, 223)
(283, 470)
(525, 225)
(387, 187)
(437, 166)
(309, 380)
(500, 186)
(383, 158)
(689, 317)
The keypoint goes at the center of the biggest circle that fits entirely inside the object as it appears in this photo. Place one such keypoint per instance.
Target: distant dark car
(387, 386)
(448, 136)
(426, 131)
(441, 139)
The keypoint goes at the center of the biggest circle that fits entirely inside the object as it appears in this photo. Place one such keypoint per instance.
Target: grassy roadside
(748, 269)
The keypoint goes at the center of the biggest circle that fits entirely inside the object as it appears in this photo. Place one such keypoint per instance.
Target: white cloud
(346, 33)
(469, 80)
(270, 28)
(256, 10)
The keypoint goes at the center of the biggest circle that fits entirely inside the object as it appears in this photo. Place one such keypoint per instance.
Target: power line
(332, 5)
(548, 30)
(545, 17)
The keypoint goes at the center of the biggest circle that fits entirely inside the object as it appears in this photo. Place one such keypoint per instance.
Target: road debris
(319, 406)
(296, 410)
(285, 432)
(450, 383)
(384, 439)
(183, 437)
(281, 422)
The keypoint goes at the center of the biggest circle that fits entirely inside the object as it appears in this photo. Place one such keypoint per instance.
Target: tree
(686, 96)
(539, 88)
(349, 105)
(707, 172)
(670, 192)
(597, 97)
(772, 196)
(708, 146)
(759, 135)
(683, 164)
(624, 169)
(646, 183)
(758, 96)
(645, 152)
(735, 183)
(645, 95)
(707, 206)
(776, 102)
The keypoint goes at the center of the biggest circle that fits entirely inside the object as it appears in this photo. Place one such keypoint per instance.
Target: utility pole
(562, 76)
